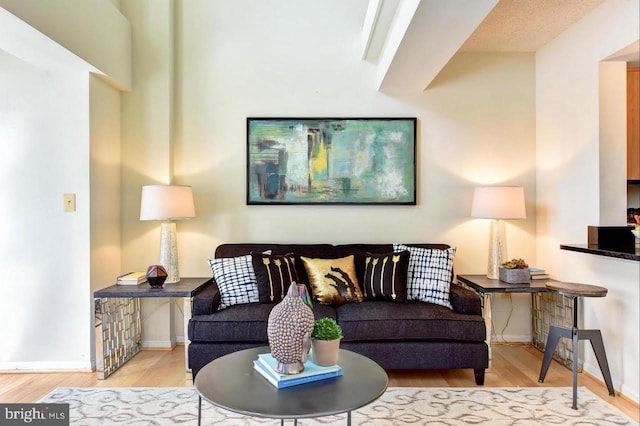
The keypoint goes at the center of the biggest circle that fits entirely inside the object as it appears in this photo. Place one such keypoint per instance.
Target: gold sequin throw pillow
(333, 281)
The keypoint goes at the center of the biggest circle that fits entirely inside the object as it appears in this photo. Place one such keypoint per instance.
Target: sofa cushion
(429, 274)
(333, 281)
(321, 311)
(385, 276)
(240, 323)
(274, 275)
(236, 280)
(382, 320)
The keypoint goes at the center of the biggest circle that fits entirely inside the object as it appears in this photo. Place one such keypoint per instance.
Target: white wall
(612, 143)
(93, 30)
(104, 177)
(568, 179)
(59, 133)
(147, 152)
(231, 63)
(44, 252)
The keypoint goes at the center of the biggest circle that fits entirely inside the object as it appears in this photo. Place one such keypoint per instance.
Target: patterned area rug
(398, 406)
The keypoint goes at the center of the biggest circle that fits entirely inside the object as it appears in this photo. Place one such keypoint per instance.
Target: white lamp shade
(167, 202)
(498, 202)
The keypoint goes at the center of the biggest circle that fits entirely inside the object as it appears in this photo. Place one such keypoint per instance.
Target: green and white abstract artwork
(331, 161)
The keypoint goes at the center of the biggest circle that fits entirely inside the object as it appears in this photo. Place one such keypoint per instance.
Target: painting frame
(331, 160)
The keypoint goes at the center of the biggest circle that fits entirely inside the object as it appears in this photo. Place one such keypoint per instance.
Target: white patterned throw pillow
(429, 274)
(236, 280)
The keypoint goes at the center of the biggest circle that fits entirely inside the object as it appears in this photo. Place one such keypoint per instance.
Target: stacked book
(538, 274)
(132, 278)
(265, 365)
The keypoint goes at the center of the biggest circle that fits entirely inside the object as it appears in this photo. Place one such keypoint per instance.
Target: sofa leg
(479, 375)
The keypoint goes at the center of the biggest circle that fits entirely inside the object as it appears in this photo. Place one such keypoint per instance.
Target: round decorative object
(156, 275)
(289, 332)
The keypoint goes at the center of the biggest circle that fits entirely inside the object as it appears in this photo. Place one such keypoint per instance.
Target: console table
(118, 319)
(547, 307)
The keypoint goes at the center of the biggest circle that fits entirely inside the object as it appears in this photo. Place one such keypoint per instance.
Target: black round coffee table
(230, 382)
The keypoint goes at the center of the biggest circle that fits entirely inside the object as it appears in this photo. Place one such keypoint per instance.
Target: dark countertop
(627, 253)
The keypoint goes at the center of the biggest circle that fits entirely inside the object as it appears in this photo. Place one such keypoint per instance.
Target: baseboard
(509, 338)
(512, 343)
(45, 367)
(162, 343)
(158, 344)
(623, 391)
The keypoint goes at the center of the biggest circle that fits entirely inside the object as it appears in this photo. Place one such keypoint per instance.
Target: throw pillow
(385, 276)
(236, 280)
(333, 281)
(274, 274)
(429, 274)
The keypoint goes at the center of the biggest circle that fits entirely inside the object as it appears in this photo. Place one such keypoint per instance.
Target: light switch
(69, 201)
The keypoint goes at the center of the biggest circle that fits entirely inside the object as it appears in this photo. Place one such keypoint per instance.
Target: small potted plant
(325, 341)
(515, 271)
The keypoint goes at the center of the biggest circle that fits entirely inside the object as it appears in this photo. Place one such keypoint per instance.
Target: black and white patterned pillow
(429, 274)
(236, 280)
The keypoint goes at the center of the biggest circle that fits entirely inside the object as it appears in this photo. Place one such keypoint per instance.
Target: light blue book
(265, 365)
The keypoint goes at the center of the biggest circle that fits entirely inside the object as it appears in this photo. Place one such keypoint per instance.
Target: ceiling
(525, 25)
(413, 41)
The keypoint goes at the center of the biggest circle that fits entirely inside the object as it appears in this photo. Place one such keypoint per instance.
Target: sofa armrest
(464, 301)
(206, 301)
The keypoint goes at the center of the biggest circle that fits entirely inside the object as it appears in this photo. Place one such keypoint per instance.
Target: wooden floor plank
(511, 366)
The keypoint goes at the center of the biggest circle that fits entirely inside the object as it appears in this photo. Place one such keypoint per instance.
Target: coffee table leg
(199, 409)
(348, 418)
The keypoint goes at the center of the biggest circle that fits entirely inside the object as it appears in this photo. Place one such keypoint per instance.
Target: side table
(486, 287)
(118, 323)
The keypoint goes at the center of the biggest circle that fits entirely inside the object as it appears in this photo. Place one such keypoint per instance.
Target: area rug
(398, 406)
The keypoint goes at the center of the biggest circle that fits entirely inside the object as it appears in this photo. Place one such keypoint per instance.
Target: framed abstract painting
(331, 161)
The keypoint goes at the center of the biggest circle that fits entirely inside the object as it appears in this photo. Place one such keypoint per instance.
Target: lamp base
(169, 251)
(497, 248)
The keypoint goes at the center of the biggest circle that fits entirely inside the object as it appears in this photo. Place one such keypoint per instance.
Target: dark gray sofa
(411, 335)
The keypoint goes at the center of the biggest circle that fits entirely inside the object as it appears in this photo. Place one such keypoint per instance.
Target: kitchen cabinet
(633, 123)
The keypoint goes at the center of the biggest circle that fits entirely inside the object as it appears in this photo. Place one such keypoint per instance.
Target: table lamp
(498, 203)
(167, 203)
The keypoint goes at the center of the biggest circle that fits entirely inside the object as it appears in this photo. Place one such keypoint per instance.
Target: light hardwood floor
(512, 365)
